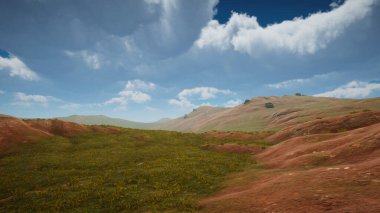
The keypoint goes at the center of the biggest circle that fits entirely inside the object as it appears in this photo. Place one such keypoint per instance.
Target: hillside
(254, 116)
(104, 120)
(316, 166)
(14, 130)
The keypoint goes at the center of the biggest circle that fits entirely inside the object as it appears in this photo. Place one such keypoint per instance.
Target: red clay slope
(330, 172)
(65, 128)
(325, 149)
(14, 130)
(327, 125)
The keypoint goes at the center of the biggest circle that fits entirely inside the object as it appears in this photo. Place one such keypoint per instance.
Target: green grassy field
(131, 171)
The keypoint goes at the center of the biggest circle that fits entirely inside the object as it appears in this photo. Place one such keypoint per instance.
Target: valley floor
(130, 170)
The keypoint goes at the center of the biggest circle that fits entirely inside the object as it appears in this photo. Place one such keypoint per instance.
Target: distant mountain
(104, 120)
(257, 115)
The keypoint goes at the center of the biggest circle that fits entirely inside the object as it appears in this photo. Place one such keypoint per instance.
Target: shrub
(298, 94)
(185, 116)
(247, 101)
(269, 105)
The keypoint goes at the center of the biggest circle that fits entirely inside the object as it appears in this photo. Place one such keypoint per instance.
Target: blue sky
(146, 60)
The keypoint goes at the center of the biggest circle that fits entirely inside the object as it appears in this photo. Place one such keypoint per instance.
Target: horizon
(149, 60)
(180, 116)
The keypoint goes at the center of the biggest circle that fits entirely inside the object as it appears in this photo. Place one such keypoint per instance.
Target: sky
(144, 60)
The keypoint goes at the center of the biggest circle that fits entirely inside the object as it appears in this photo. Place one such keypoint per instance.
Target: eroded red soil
(324, 172)
(14, 130)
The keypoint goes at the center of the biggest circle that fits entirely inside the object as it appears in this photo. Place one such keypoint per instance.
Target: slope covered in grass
(132, 171)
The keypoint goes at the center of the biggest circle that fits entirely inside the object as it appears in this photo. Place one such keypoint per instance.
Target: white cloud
(201, 93)
(140, 85)
(22, 99)
(70, 106)
(233, 103)
(300, 35)
(16, 67)
(220, 35)
(354, 89)
(117, 100)
(136, 96)
(31, 98)
(2, 92)
(133, 92)
(204, 93)
(92, 60)
(301, 81)
(183, 103)
(287, 84)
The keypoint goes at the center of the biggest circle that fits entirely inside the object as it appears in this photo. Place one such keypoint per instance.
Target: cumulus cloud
(233, 103)
(117, 100)
(175, 30)
(22, 99)
(183, 103)
(140, 85)
(92, 60)
(134, 91)
(301, 81)
(201, 93)
(31, 98)
(354, 89)
(244, 34)
(16, 67)
(135, 96)
(204, 93)
(287, 84)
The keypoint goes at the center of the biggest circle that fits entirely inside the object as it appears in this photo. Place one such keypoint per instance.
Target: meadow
(130, 171)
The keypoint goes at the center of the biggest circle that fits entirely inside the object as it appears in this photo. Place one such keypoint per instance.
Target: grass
(131, 171)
